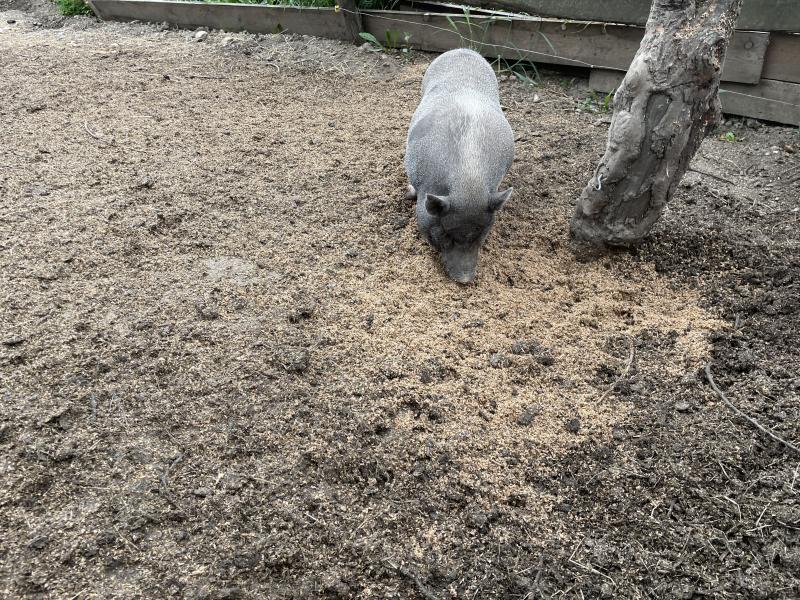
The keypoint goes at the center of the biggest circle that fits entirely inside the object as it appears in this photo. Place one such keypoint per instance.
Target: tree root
(750, 419)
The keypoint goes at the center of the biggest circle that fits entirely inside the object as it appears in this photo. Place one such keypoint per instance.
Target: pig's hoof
(411, 193)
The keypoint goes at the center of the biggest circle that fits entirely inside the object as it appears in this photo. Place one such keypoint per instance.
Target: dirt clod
(295, 361)
(498, 360)
(528, 415)
(14, 340)
(207, 311)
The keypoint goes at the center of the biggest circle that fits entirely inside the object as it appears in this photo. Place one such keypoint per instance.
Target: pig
(458, 149)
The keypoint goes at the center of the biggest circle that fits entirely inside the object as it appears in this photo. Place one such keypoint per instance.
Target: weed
(475, 39)
(524, 71)
(469, 40)
(566, 84)
(607, 101)
(74, 7)
(393, 40)
(365, 35)
(594, 103)
(728, 137)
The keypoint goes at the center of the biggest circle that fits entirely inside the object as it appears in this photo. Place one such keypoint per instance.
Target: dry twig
(621, 377)
(93, 134)
(712, 175)
(750, 419)
(423, 590)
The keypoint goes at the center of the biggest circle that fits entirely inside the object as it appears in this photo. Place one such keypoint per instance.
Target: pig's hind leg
(411, 193)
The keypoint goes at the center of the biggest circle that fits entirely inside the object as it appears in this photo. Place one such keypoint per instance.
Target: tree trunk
(665, 106)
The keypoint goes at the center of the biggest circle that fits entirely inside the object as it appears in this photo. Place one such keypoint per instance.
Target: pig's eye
(439, 238)
(467, 232)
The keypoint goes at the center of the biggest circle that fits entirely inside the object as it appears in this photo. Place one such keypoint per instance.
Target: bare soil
(230, 367)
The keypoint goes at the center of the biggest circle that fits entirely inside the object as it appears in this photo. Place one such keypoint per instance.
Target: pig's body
(458, 150)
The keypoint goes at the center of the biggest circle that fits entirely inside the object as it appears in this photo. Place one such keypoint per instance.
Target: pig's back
(457, 135)
(460, 70)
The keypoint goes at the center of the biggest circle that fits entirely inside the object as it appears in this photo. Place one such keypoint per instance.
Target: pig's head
(457, 229)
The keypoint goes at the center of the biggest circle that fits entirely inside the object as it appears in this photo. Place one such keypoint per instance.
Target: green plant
(566, 84)
(595, 104)
(365, 35)
(728, 137)
(393, 40)
(607, 101)
(73, 7)
(474, 38)
(470, 39)
(524, 71)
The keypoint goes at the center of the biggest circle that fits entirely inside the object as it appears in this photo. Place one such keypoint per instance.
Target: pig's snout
(464, 278)
(461, 264)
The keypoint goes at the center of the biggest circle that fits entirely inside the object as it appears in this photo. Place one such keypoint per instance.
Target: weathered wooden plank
(322, 22)
(549, 41)
(604, 80)
(744, 61)
(782, 61)
(770, 100)
(758, 15)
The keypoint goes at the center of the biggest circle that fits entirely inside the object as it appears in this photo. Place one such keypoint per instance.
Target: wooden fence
(757, 15)
(761, 75)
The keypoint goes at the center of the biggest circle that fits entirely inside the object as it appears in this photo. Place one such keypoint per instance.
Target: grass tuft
(71, 8)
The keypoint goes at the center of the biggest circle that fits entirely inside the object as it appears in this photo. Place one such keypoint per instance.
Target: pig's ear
(497, 199)
(436, 205)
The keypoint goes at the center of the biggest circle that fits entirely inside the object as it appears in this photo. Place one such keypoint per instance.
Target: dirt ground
(230, 368)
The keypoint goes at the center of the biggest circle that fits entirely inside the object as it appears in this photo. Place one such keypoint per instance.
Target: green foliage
(566, 84)
(377, 4)
(73, 7)
(524, 71)
(607, 101)
(393, 40)
(364, 35)
(473, 36)
(728, 137)
(598, 104)
(474, 31)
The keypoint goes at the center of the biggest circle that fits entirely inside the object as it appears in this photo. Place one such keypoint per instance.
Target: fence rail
(754, 61)
(758, 15)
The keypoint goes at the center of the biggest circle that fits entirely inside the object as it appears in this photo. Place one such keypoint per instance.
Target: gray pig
(459, 148)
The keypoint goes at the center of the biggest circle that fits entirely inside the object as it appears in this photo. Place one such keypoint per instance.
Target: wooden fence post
(352, 18)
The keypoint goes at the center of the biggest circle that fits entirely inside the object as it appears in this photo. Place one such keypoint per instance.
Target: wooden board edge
(254, 18)
(770, 100)
(761, 15)
(782, 61)
(745, 65)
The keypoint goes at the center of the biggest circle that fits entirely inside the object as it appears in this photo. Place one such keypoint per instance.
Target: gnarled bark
(665, 106)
